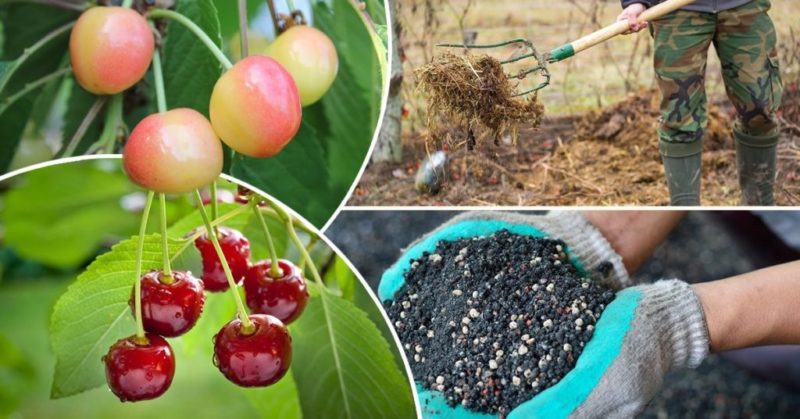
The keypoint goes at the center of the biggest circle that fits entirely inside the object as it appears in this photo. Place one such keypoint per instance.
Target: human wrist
(720, 332)
(727, 311)
(752, 309)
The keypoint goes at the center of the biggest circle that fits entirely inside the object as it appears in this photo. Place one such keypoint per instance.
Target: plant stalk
(110, 128)
(243, 33)
(232, 214)
(273, 13)
(204, 38)
(33, 86)
(84, 126)
(11, 69)
(138, 284)
(297, 242)
(309, 247)
(201, 230)
(274, 269)
(158, 75)
(247, 325)
(167, 275)
(214, 204)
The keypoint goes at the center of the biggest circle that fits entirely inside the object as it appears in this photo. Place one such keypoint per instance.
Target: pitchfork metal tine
(541, 68)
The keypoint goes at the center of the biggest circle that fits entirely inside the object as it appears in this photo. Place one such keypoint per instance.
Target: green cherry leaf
(344, 367)
(93, 314)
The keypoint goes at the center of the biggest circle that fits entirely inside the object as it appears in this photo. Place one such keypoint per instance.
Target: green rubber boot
(682, 165)
(755, 160)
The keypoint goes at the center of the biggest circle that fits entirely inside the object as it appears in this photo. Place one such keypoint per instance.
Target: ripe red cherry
(284, 297)
(255, 360)
(173, 152)
(309, 55)
(110, 49)
(139, 371)
(255, 107)
(236, 249)
(170, 309)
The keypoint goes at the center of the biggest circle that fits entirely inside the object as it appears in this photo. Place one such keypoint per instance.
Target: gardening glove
(643, 333)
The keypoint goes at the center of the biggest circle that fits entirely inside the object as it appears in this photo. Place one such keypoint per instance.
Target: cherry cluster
(142, 369)
(255, 107)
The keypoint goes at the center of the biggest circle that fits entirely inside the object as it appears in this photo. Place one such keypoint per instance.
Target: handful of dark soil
(493, 321)
(476, 88)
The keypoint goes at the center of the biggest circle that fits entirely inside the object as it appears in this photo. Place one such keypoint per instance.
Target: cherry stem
(204, 38)
(243, 27)
(109, 136)
(167, 276)
(214, 205)
(11, 68)
(91, 115)
(297, 242)
(290, 5)
(7, 102)
(274, 269)
(247, 325)
(158, 75)
(310, 246)
(274, 15)
(227, 216)
(138, 284)
(214, 223)
(127, 3)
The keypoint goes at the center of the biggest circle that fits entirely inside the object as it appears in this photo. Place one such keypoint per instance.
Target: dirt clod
(474, 88)
(509, 318)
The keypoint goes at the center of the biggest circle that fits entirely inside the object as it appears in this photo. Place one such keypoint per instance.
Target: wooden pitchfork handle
(610, 31)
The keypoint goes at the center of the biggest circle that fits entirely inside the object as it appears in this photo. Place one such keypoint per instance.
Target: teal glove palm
(644, 332)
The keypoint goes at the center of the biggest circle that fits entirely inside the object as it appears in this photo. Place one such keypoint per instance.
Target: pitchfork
(568, 50)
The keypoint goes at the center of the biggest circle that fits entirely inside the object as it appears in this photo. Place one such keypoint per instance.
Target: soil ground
(608, 157)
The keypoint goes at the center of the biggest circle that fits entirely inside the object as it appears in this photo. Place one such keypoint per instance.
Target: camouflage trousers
(745, 41)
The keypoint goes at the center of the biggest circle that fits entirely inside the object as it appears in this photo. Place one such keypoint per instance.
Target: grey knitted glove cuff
(674, 311)
(668, 331)
(583, 240)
